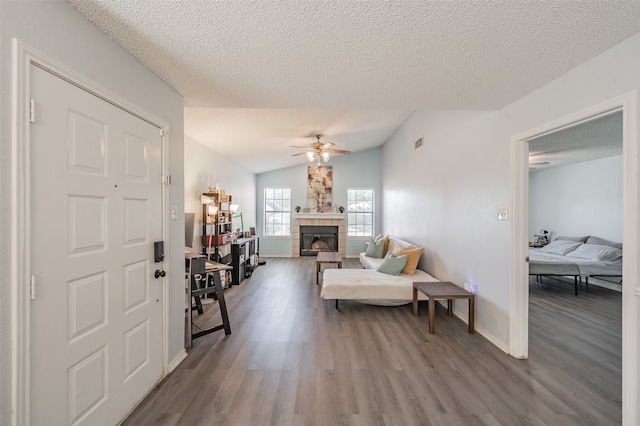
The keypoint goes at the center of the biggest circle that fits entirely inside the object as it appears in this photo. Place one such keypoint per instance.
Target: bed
(577, 257)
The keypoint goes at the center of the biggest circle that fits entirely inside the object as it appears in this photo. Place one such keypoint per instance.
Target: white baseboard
(177, 361)
(481, 331)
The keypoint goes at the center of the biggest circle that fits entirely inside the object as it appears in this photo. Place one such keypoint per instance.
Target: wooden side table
(327, 257)
(443, 290)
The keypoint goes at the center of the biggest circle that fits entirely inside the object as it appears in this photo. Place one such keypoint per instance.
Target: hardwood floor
(293, 359)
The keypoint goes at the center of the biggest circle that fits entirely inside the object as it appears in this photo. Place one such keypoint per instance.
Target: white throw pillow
(596, 252)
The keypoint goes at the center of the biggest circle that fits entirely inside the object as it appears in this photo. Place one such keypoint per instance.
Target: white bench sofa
(370, 286)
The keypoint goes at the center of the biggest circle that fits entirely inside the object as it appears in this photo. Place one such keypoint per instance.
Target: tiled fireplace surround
(318, 219)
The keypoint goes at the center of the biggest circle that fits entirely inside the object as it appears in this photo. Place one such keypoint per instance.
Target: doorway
(519, 287)
(575, 203)
(90, 314)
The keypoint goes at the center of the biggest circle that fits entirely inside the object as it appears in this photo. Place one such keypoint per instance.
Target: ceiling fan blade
(300, 153)
(337, 151)
(303, 147)
(326, 145)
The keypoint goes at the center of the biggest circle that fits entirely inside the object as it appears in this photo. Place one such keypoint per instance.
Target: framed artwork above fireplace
(319, 187)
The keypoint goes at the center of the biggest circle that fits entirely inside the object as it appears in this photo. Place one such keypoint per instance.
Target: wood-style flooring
(293, 359)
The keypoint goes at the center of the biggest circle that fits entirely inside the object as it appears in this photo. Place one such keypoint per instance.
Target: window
(277, 211)
(360, 212)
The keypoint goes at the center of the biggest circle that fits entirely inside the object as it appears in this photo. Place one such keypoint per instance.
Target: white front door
(96, 209)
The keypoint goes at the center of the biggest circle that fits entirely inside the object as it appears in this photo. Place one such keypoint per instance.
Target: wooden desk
(327, 257)
(443, 290)
(199, 266)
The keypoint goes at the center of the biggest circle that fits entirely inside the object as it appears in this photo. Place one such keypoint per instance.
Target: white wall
(55, 29)
(205, 167)
(358, 170)
(578, 199)
(445, 197)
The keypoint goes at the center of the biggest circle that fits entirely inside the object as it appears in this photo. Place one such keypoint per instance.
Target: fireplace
(315, 239)
(321, 220)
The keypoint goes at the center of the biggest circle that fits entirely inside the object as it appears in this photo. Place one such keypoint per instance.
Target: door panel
(96, 320)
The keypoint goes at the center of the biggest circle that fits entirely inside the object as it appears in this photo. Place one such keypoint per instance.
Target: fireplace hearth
(316, 239)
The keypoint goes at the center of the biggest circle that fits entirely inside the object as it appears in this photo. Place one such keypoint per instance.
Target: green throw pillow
(393, 265)
(375, 249)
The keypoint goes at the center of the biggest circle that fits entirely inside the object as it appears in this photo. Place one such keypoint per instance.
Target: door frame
(23, 57)
(519, 279)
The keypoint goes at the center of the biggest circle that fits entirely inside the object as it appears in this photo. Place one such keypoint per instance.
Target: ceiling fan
(319, 150)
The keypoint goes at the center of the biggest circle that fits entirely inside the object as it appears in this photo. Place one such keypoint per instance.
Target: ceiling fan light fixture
(319, 151)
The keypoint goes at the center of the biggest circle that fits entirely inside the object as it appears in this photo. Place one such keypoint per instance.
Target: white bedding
(541, 261)
(370, 286)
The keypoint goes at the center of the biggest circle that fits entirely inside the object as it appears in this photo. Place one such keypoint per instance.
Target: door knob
(160, 273)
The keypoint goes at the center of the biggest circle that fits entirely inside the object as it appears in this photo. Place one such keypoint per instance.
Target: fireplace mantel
(318, 216)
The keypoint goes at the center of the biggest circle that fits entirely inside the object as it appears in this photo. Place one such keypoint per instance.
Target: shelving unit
(216, 228)
(218, 244)
(244, 253)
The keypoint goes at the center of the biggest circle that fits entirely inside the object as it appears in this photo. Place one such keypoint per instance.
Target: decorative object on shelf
(297, 209)
(319, 189)
(541, 239)
(319, 151)
(341, 209)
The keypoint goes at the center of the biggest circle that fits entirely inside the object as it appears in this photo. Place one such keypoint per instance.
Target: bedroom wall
(357, 170)
(445, 197)
(578, 199)
(58, 31)
(205, 167)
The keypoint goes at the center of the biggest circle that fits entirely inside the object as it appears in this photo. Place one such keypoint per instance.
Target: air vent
(417, 144)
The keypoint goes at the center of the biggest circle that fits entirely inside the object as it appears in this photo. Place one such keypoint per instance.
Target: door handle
(159, 273)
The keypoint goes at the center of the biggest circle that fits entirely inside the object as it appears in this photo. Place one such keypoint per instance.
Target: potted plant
(341, 209)
(297, 209)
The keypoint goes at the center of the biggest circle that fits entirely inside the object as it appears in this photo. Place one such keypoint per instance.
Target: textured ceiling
(263, 73)
(594, 139)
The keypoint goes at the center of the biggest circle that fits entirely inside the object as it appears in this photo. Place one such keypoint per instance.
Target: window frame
(360, 212)
(284, 213)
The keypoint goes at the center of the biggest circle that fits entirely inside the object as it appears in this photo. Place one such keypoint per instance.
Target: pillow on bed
(578, 239)
(375, 248)
(392, 265)
(602, 242)
(596, 252)
(560, 247)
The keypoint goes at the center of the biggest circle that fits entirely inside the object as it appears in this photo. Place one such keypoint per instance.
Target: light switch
(503, 214)
(174, 212)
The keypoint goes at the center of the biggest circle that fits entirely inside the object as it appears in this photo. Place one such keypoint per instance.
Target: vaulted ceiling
(259, 76)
